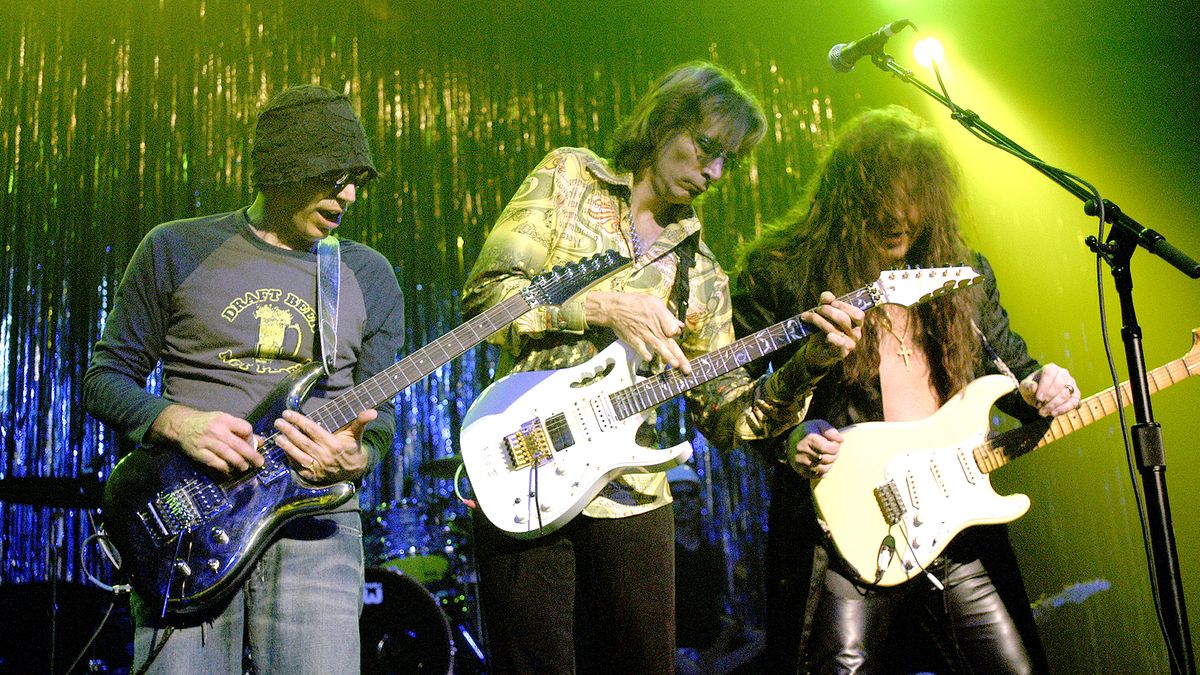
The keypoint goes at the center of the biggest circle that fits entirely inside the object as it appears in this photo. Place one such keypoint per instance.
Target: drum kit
(420, 603)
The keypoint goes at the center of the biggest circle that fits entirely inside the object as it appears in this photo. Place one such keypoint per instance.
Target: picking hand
(812, 448)
(641, 321)
(218, 440)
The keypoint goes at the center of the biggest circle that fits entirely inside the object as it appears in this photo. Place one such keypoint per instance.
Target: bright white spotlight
(928, 51)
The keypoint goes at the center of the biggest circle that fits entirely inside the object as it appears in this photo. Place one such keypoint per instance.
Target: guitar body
(187, 538)
(928, 469)
(539, 445)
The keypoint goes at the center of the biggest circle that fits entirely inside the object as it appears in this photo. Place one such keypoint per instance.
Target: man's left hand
(842, 326)
(1051, 390)
(323, 457)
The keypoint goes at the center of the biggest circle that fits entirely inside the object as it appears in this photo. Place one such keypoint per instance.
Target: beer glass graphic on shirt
(273, 327)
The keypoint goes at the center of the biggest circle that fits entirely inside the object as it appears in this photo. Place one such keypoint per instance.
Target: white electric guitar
(899, 492)
(539, 445)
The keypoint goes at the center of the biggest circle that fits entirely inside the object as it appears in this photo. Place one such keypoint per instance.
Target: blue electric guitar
(188, 538)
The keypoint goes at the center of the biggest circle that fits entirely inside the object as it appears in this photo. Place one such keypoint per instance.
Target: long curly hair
(881, 162)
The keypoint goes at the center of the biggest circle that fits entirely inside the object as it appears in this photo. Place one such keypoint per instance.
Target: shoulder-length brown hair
(832, 239)
(682, 99)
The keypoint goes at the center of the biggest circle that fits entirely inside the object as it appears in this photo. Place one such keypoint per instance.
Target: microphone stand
(1125, 235)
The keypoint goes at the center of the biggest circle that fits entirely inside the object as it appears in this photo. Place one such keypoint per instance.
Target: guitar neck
(1012, 444)
(395, 378)
(656, 390)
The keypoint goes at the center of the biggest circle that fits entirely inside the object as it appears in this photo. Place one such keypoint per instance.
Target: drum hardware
(48, 622)
(67, 492)
(426, 543)
(402, 628)
(442, 468)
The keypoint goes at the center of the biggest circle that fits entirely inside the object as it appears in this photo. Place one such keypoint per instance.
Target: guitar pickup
(530, 445)
(274, 469)
(890, 503)
(968, 467)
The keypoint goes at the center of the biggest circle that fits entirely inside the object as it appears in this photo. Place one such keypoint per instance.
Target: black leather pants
(968, 624)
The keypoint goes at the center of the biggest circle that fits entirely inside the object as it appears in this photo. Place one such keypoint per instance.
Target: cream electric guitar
(539, 445)
(899, 492)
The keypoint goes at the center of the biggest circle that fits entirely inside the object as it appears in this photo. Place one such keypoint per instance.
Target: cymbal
(441, 467)
(68, 492)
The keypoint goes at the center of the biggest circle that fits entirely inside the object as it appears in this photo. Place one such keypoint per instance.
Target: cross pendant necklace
(904, 350)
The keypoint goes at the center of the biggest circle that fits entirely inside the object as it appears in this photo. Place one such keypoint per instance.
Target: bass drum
(402, 628)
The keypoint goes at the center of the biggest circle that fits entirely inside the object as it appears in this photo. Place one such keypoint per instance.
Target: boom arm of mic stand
(1123, 239)
(1147, 238)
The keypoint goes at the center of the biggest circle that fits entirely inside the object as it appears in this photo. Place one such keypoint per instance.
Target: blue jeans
(298, 609)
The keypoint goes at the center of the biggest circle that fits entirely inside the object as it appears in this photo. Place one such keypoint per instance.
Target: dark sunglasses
(338, 180)
(710, 149)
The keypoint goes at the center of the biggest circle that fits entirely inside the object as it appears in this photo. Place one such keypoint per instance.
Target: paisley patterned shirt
(572, 205)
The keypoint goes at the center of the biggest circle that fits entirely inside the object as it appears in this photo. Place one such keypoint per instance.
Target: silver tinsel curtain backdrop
(120, 115)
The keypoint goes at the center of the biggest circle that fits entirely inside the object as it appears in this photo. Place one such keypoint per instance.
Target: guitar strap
(687, 260)
(329, 265)
(999, 362)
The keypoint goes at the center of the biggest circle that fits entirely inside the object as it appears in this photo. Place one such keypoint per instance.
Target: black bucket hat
(304, 132)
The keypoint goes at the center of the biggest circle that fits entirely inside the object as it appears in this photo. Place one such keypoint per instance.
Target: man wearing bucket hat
(229, 304)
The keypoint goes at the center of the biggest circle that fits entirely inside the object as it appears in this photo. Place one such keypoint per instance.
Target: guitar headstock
(562, 282)
(914, 286)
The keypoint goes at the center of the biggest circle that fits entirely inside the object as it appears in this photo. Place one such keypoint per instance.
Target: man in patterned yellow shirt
(597, 595)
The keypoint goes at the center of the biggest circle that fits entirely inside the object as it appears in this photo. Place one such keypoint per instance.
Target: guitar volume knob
(220, 536)
(214, 564)
(183, 568)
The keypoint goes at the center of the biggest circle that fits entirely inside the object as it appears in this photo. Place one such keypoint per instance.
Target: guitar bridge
(181, 510)
(890, 504)
(528, 445)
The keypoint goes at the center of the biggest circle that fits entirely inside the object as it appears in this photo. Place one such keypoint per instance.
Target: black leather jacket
(796, 558)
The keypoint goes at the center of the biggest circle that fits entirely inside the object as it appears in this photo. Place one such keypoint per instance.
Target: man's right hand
(641, 321)
(812, 448)
(218, 440)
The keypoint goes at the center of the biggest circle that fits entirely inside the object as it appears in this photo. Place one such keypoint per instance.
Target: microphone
(843, 57)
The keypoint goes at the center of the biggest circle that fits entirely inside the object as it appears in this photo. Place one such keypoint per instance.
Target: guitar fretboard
(395, 378)
(549, 288)
(654, 391)
(1012, 444)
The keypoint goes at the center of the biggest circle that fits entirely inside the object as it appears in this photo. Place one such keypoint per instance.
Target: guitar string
(413, 365)
(776, 334)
